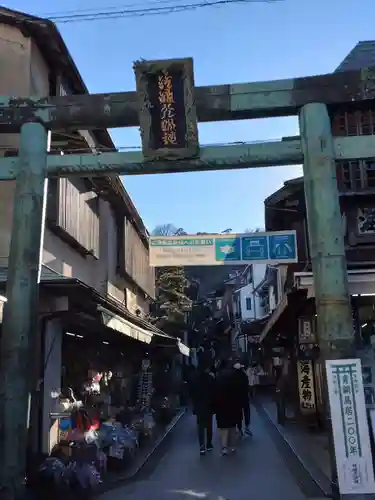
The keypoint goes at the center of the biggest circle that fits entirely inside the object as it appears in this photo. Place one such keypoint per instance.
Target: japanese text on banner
(350, 427)
(306, 385)
(345, 385)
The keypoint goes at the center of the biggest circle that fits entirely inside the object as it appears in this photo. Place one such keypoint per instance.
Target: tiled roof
(47, 274)
(361, 56)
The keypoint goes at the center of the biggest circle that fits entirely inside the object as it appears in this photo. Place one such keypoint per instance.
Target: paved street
(257, 472)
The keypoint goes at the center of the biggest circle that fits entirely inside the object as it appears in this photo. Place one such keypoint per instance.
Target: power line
(95, 10)
(155, 8)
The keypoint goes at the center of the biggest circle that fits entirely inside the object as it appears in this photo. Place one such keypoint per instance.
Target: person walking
(253, 378)
(228, 406)
(242, 385)
(202, 393)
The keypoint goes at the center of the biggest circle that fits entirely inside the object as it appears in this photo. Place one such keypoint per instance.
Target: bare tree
(165, 230)
(168, 230)
(256, 230)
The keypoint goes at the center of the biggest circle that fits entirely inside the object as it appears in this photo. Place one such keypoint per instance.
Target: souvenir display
(101, 428)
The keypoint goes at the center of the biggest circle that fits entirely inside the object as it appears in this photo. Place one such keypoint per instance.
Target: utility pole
(21, 310)
(327, 249)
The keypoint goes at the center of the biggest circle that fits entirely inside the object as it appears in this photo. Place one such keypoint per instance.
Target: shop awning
(136, 332)
(361, 282)
(2, 302)
(283, 304)
(289, 299)
(184, 349)
(121, 325)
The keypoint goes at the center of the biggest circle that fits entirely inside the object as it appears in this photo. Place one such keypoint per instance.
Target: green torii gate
(316, 149)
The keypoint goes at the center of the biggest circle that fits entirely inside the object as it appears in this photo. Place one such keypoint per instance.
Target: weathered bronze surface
(238, 101)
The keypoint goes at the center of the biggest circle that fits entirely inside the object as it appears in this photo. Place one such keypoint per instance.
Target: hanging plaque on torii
(167, 113)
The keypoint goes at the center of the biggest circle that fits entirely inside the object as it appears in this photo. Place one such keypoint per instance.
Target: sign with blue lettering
(221, 249)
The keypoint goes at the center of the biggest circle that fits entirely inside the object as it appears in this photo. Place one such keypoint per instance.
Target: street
(257, 471)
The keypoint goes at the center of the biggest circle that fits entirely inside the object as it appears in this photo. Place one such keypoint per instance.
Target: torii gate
(316, 149)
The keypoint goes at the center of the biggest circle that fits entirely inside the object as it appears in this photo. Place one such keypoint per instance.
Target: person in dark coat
(202, 392)
(242, 382)
(228, 406)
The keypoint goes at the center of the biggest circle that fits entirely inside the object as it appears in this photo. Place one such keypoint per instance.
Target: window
(356, 175)
(248, 303)
(249, 277)
(73, 213)
(133, 256)
(354, 122)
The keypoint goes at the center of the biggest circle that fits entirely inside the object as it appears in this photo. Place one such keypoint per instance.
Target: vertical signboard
(167, 114)
(350, 427)
(306, 386)
(307, 342)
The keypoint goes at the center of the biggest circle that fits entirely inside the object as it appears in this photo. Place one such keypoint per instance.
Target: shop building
(96, 285)
(293, 323)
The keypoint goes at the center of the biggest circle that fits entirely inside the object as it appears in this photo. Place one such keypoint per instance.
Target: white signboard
(350, 427)
(224, 249)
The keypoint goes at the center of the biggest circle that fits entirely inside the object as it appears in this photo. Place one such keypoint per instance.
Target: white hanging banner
(351, 435)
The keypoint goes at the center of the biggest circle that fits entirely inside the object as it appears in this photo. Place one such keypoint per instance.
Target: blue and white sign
(350, 428)
(228, 249)
(282, 246)
(224, 249)
(255, 248)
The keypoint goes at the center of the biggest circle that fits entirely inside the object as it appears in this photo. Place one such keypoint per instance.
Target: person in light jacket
(242, 384)
(253, 377)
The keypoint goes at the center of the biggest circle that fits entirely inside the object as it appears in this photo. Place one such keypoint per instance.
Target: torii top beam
(214, 103)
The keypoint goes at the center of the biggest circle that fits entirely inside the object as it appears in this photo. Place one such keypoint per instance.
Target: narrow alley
(257, 471)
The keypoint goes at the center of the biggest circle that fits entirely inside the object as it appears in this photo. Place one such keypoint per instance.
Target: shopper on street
(228, 406)
(242, 382)
(253, 378)
(202, 391)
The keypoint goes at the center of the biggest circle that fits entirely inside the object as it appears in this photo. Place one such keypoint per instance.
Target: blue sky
(233, 43)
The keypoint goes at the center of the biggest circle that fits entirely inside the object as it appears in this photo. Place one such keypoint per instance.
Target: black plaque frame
(142, 70)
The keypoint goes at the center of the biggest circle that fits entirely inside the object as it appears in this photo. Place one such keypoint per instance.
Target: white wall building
(252, 306)
(261, 292)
